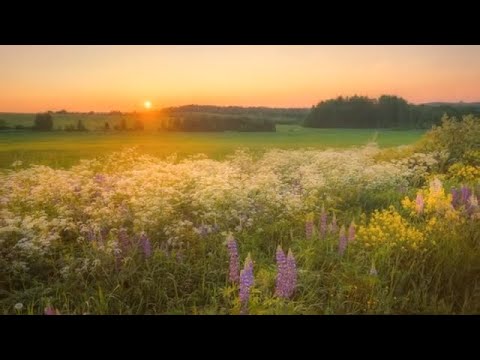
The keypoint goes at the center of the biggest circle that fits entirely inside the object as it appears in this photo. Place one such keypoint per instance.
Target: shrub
(43, 122)
(3, 124)
(460, 139)
(80, 126)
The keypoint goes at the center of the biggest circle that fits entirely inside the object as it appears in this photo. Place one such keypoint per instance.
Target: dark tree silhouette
(387, 112)
(43, 122)
(80, 126)
(123, 125)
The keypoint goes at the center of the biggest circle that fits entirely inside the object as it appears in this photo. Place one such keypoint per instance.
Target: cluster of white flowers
(198, 195)
(419, 165)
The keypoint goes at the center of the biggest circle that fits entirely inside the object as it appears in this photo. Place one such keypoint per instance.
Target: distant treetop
(388, 111)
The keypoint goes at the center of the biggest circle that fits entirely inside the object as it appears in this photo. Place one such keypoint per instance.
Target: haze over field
(104, 78)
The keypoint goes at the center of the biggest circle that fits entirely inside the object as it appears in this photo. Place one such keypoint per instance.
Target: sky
(104, 78)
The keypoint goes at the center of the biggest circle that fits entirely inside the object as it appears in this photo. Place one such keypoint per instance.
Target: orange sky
(104, 78)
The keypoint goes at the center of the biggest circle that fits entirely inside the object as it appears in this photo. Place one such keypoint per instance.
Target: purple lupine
(291, 274)
(91, 235)
(246, 282)
(123, 239)
(456, 198)
(122, 246)
(286, 274)
(309, 226)
(465, 194)
(234, 261)
(351, 232)
(333, 227)
(146, 245)
(419, 203)
(323, 223)
(281, 286)
(103, 234)
(342, 242)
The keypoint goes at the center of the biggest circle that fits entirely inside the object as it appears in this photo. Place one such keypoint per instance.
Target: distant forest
(215, 122)
(343, 112)
(385, 112)
(294, 113)
(229, 118)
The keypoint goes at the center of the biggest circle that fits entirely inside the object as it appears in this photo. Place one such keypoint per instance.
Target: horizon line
(222, 106)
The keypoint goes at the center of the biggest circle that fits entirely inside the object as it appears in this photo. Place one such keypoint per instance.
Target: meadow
(64, 149)
(301, 221)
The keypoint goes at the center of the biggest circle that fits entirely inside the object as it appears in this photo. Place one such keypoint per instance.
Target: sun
(147, 104)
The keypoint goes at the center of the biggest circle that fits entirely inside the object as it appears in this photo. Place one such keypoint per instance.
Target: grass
(63, 149)
(387, 269)
(91, 121)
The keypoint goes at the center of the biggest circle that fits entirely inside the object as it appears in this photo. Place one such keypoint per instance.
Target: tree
(80, 126)
(43, 122)
(123, 125)
(388, 111)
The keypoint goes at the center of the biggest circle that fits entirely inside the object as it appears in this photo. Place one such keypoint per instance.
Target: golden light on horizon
(36, 78)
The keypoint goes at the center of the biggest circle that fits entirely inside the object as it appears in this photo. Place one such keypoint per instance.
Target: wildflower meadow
(362, 230)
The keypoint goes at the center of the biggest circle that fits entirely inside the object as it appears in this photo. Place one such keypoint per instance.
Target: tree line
(252, 111)
(205, 122)
(44, 122)
(387, 111)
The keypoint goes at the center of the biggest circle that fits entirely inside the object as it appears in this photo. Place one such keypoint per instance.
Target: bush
(460, 139)
(43, 122)
(3, 125)
(80, 126)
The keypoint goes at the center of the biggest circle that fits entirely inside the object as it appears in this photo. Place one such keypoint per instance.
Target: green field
(91, 121)
(347, 231)
(151, 121)
(63, 149)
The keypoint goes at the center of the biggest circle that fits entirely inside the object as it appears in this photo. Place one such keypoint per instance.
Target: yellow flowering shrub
(389, 227)
(464, 173)
(433, 201)
(472, 157)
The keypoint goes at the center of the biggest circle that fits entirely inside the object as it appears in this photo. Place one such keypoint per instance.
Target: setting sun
(147, 104)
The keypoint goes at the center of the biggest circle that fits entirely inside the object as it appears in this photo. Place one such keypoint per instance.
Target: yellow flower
(437, 202)
(389, 227)
(464, 173)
